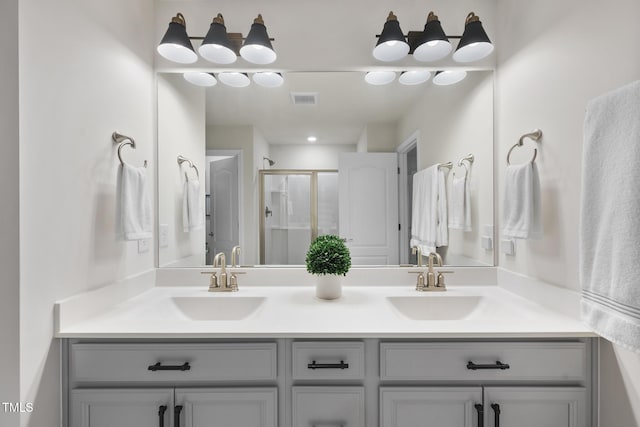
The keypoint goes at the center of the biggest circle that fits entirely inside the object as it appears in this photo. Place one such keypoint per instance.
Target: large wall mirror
(268, 169)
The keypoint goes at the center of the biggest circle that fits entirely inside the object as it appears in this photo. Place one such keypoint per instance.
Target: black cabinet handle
(161, 410)
(158, 367)
(498, 365)
(480, 410)
(496, 412)
(176, 416)
(341, 365)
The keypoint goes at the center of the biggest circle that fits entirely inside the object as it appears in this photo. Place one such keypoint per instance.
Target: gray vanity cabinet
(121, 408)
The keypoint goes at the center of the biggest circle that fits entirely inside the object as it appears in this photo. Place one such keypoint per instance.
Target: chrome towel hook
(123, 140)
(535, 136)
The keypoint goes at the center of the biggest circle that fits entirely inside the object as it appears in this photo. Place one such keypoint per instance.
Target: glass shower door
(295, 207)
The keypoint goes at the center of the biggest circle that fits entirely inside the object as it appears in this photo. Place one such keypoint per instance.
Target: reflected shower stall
(296, 206)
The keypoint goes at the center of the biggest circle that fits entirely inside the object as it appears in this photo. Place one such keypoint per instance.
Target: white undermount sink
(219, 307)
(436, 306)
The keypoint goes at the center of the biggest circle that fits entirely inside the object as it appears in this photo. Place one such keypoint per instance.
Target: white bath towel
(192, 211)
(460, 211)
(522, 216)
(429, 210)
(135, 204)
(610, 217)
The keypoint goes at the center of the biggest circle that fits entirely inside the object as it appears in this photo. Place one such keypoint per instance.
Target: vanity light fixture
(268, 79)
(176, 45)
(392, 44)
(474, 44)
(379, 78)
(216, 46)
(257, 47)
(200, 78)
(234, 79)
(449, 77)
(432, 44)
(414, 77)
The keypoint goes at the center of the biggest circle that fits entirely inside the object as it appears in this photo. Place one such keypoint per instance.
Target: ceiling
(346, 104)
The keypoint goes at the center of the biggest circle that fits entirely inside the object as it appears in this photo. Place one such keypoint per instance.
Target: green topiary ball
(328, 255)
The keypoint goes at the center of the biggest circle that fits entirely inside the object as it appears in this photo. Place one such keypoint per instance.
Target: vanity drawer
(477, 361)
(224, 362)
(328, 407)
(328, 360)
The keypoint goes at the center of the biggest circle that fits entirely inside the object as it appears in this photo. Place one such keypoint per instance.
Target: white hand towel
(427, 210)
(460, 212)
(442, 235)
(192, 212)
(522, 216)
(610, 217)
(135, 204)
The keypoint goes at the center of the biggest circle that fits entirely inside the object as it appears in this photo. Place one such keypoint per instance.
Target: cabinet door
(328, 407)
(535, 407)
(121, 407)
(227, 407)
(430, 406)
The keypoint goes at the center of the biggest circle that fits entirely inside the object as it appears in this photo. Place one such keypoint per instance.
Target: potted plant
(329, 259)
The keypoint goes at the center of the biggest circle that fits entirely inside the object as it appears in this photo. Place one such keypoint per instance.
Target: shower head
(271, 162)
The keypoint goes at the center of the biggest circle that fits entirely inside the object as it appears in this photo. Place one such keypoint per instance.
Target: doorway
(407, 167)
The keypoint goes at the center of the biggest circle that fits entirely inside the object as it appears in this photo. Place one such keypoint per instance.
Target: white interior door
(224, 230)
(368, 207)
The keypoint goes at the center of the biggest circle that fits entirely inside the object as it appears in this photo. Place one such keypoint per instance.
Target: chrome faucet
(224, 283)
(416, 250)
(434, 282)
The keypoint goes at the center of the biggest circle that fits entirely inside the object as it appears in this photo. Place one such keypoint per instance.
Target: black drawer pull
(497, 365)
(480, 410)
(159, 367)
(176, 416)
(496, 411)
(161, 410)
(341, 365)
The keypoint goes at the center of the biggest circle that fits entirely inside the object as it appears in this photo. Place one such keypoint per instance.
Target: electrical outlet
(163, 235)
(508, 246)
(486, 242)
(144, 245)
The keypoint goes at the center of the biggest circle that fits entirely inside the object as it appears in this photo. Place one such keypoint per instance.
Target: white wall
(181, 131)
(311, 156)
(552, 58)
(9, 212)
(86, 69)
(382, 137)
(454, 121)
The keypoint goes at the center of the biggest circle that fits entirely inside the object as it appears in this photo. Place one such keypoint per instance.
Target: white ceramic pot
(329, 286)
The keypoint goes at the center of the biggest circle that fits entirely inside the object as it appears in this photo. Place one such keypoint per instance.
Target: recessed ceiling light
(312, 139)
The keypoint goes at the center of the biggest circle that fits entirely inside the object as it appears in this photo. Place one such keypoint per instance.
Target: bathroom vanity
(480, 355)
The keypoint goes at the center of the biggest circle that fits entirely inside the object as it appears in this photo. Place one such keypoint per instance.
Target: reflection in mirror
(257, 146)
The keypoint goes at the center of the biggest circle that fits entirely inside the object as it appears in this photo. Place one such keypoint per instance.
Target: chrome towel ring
(535, 136)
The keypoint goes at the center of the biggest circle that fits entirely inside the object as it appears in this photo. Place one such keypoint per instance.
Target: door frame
(241, 189)
(403, 191)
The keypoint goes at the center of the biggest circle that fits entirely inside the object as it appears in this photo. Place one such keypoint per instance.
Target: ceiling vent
(304, 98)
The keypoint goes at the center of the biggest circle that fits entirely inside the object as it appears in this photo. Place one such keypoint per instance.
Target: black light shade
(474, 44)
(175, 45)
(216, 46)
(392, 44)
(433, 44)
(257, 47)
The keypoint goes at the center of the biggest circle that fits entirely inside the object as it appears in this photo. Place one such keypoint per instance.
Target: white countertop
(294, 311)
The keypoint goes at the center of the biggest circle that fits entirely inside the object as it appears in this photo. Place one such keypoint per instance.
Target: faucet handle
(233, 279)
(440, 277)
(420, 284)
(213, 280)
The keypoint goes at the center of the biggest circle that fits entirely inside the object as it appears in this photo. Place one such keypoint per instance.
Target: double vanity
(494, 348)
